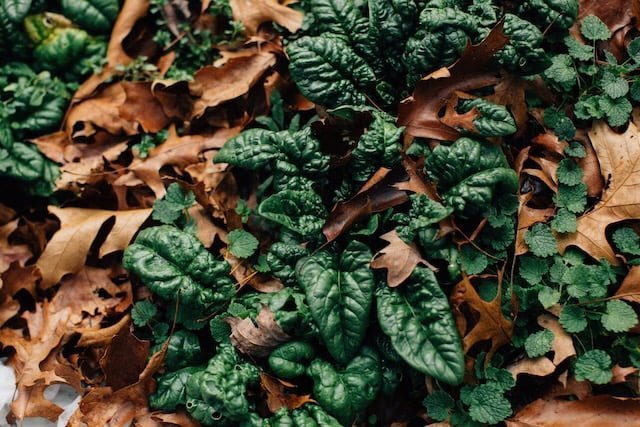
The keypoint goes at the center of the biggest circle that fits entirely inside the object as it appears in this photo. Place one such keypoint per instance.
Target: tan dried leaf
(619, 156)
(399, 258)
(257, 339)
(630, 288)
(599, 411)
(67, 250)
(252, 13)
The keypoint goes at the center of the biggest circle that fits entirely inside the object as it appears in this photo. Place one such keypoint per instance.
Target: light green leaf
(242, 244)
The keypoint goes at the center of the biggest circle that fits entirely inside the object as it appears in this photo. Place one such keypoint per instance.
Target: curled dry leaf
(257, 339)
(599, 411)
(620, 373)
(279, 394)
(377, 197)
(420, 113)
(67, 250)
(215, 85)
(399, 258)
(489, 324)
(178, 151)
(619, 156)
(252, 13)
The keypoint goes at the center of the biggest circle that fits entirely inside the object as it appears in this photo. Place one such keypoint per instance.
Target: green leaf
(252, 149)
(175, 266)
(541, 241)
(142, 312)
(633, 49)
(472, 260)
(172, 389)
(562, 72)
(218, 394)
(594, 366)
(94, 15)
(290, 360)
(569, 173)
(564, 221)
(548, 297)
(614, 86)
(627, 240)
(619, 316)
(183, 350)
(487, 404)
(424, 213)
(16, 10)
(592, 28)
(242, 244)
(539, 344)
(617, 111)
(493, 120)
(439, 405)
(328, 72)
(573, 319)
(573, 198)
(299, 211)
(575, 149)
(418, 320)
(578, 50)
(378, 147)
(345, 393)
(339, 293)
(219, 329)
(172, 206)
(469, 174)
(533, 269)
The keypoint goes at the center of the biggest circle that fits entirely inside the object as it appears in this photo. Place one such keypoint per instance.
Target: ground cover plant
(325, 212)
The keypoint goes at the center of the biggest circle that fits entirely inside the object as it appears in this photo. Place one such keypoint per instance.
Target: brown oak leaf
(489, 324)
(252, 13)
(619, 156)
(399, 258)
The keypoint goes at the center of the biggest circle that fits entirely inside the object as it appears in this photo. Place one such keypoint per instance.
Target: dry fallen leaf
(257, 339)
(10, 253)
(67, 250)
(399, 258)
(472, 71)
(489, 323)
(630, 288)
(599, 411)
(619, 156)
(279, 395)
(562, 347)
(252, 13)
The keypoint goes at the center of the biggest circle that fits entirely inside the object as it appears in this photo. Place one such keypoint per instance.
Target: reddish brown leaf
(489, 324)
(142, 107)
(124, 359)
(399, 258)
(279, 394)
(377, 198)
(420, 113)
